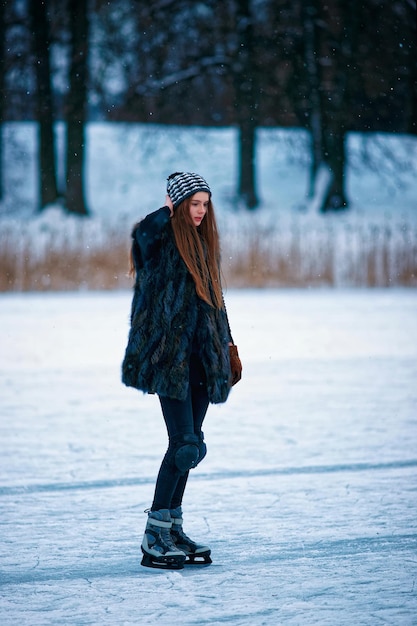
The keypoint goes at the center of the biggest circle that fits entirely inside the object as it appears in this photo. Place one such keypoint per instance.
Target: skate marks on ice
(68, 535)
(341, 582)
(308, 498)
(128, 566)
(226, 475)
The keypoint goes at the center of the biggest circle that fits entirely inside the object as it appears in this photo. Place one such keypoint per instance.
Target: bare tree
(46, 141)
(76, 113)
(331, 67)
(342, 39)
(406, 10)
(314, 112)
(329, 38)
(201, 53)
(245, 81)
(2, 94)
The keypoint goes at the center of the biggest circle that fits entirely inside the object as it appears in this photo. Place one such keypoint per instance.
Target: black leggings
(181, 417)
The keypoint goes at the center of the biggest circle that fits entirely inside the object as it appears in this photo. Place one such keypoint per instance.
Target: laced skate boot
(158, 548)
(196, 553)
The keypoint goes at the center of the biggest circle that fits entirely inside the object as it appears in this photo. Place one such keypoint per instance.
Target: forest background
(328, 68)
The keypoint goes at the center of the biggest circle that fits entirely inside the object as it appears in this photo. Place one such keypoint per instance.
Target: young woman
(180, 347)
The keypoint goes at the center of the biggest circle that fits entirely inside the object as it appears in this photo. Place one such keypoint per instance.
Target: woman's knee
(186, 451)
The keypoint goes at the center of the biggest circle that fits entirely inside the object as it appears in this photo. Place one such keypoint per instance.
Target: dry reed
(254, 256)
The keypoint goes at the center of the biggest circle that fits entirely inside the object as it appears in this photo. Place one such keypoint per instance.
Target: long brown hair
(200, 251)
(199, 248)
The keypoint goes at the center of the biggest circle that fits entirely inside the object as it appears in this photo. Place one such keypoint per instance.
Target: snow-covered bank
(282, 244)
(307, 496)
(128, 163)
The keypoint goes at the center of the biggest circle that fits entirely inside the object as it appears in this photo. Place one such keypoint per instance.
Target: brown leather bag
(235, 364)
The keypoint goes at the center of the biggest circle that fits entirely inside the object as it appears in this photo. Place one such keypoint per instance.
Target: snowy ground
(127, 164)
(307, 497)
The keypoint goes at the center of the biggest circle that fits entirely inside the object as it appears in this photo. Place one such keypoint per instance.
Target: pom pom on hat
(182, 185)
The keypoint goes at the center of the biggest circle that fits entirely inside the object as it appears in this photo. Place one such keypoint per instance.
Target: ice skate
(196, 554)
(159, 550)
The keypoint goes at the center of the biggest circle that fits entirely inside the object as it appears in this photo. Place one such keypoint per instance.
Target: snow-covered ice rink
(307, 497)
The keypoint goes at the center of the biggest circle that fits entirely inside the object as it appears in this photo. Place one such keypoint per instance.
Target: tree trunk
(246, 94)
(247, 160)
(315, 116)
(412, 118)
(2, 92)
(339, 44)
(46, 141)
(335, 197)
(76, 109)
(411, 57)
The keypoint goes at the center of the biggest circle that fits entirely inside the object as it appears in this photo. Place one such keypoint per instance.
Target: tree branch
(189, 73)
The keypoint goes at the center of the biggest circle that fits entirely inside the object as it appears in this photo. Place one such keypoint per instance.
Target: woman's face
(198, 206)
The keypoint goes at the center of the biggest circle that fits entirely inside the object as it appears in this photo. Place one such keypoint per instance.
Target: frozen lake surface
(307, 497)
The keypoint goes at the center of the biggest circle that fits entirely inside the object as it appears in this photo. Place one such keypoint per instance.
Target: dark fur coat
(168, 321)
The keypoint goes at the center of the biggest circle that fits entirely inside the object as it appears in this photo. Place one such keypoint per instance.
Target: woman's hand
(235, 364)
(168, 203)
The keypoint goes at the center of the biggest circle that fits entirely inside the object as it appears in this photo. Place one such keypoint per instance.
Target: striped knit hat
(182, 185)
